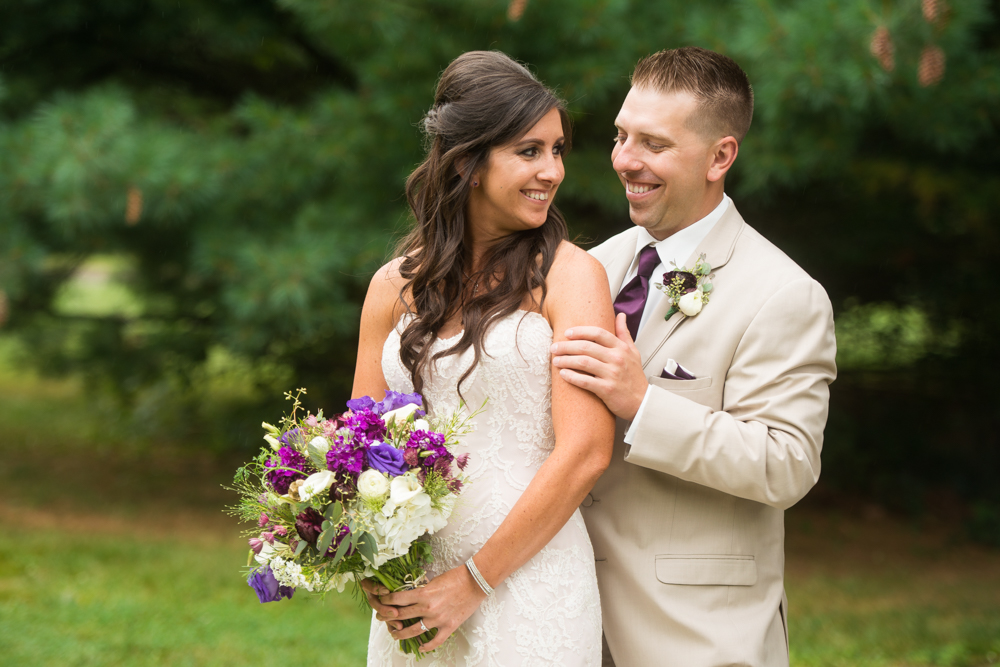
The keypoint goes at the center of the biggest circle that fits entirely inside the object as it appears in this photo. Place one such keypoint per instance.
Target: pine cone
(133, 205)
(932, 10)
(882, 48)
(931, 68)
(515, 10)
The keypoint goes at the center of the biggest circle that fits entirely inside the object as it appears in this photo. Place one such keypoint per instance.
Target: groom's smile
(639, 188)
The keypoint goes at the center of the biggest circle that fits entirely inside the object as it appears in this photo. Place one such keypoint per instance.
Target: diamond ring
(422, 626)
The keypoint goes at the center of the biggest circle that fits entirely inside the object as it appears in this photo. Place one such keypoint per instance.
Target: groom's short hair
(721, 87)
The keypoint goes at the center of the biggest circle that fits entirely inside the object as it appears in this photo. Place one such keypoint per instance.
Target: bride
(468, 311)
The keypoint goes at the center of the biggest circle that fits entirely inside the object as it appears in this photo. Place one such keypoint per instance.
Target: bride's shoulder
(385, 293)
(576, 284)
(573, 264)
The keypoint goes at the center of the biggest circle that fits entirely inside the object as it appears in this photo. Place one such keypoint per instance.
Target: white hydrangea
(289, 573)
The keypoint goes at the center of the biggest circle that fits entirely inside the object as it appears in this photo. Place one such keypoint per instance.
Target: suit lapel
(619, 261)
(718, 248)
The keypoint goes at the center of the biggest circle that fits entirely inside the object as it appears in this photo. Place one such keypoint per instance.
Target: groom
(721, 405)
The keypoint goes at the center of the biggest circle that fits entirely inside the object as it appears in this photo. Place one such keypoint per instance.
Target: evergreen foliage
(248, 158)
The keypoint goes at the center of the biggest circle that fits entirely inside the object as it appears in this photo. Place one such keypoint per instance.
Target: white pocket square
(674, 371)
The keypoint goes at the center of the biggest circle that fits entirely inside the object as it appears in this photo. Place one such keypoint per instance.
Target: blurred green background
(194, 194)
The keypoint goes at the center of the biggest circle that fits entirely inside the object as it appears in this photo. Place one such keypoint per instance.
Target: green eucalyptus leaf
(334, 511)
(706, 288)
(366, 546)
(345, 544)
(300, 547)
(325, 540)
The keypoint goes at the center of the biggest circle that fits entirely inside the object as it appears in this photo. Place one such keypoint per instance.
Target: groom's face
(662, 161)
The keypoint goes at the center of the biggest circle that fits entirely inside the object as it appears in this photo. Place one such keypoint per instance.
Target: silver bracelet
(474, 571)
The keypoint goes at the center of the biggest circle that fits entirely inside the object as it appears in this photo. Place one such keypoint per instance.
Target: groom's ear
(723, 155)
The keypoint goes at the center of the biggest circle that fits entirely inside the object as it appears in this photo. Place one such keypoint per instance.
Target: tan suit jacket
(688, 521)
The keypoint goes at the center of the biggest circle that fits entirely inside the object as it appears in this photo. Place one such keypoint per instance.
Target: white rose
(373, 485)
(421, 425)
(400, 414)
(315, 484)
(404, 488)
(690, 304)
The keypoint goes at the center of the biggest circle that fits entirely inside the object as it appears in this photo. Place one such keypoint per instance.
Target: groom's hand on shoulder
(608, 366)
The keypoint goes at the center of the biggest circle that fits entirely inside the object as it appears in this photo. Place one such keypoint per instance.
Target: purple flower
(428, 441)
(367, 426)
(342, 489)
(462, 460)
(359, 404)
(266, 587)
(256, 544)
(686, 281)
(281, 479)
(346, 460)
(293, 436)
(387, 459)
(394, 400)
(309, 524)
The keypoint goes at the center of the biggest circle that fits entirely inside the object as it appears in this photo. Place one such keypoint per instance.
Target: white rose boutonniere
(687, 289)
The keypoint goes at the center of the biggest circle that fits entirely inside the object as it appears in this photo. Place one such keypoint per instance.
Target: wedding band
(422, 626)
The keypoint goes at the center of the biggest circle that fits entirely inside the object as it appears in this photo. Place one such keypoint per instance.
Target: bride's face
(519, 181)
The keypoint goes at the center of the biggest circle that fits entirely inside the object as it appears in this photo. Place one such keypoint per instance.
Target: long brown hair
(484, 99)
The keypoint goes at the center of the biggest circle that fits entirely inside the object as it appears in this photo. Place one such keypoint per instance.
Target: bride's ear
(462, 167)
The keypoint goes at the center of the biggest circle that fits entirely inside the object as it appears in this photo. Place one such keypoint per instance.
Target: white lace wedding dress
(548, 612)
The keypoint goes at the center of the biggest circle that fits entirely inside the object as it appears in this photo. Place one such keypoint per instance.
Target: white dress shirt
(675, 248)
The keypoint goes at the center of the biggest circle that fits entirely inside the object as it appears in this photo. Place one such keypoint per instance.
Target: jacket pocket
(680, 386)
(706, 570)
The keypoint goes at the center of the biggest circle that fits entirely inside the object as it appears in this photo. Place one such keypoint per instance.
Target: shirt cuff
(630, 433)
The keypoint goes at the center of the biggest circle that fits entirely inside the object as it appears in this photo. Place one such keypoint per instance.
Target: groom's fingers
(595, 334)
(581, 348)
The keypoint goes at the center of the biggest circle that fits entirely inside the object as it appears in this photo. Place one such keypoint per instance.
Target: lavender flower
(359, 404)
(387, 459)
(394, 400)
(266, 587)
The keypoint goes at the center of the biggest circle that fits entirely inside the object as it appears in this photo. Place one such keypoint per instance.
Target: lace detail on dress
(548, 612)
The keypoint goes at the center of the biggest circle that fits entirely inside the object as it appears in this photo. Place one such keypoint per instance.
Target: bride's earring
(475, 184)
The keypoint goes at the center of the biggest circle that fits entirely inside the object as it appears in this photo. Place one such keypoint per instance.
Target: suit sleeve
(765, 443)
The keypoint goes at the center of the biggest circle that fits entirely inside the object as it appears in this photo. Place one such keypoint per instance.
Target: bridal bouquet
(350, 497)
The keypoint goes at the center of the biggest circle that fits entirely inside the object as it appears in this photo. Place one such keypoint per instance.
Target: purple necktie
(632, 299)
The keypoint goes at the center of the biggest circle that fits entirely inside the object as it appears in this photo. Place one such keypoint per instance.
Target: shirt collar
(678, 246)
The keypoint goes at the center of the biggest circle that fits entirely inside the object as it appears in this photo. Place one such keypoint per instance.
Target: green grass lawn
(115, 551)
(83, 597)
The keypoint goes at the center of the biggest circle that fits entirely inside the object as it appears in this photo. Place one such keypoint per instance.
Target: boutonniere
(687, 289)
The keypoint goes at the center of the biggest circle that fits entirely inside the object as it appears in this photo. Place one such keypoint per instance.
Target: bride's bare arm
(584, 432)
(378, 317)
